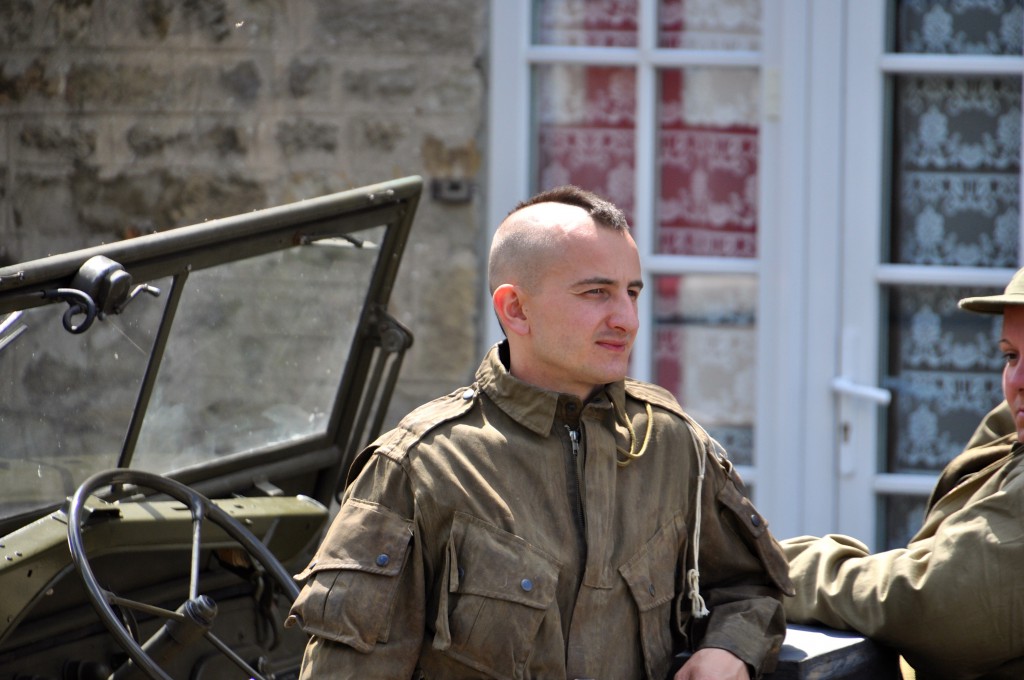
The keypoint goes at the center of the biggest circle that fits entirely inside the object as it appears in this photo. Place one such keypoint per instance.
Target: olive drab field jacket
(951, 602)
(493, 534)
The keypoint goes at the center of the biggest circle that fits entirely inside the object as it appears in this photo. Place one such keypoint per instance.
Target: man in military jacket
(554, 519)
(951, 602)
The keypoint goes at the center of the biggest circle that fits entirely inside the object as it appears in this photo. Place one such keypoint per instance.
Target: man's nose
(625, 315)
(1015, 376)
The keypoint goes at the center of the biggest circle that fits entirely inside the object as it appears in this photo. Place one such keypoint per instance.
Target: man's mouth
(614, 345)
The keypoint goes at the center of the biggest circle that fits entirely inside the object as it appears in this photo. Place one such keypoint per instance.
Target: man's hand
(712, 663)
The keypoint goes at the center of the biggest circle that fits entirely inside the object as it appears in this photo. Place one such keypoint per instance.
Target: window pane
(710, 24)
(707, 162)
(944, 372)
(958, 27)
(705, 353)
(584, 129)
(903, 516)
(590, 23)
(957, 171)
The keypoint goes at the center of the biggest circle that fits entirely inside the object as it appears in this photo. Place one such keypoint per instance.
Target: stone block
(304, 136)
(16, 22)
(243, 81)
(381, 84)
(378, 134)
(38, 140)
(405, 26)
(105, 85)
(25, 83)
(309, 77)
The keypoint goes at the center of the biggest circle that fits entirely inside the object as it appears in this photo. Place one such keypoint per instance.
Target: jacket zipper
(581, 523)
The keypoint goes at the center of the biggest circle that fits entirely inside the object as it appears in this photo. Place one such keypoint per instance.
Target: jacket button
(650, 589)
(526, 584)
(382, 560)
(755, 520)
(469, 394)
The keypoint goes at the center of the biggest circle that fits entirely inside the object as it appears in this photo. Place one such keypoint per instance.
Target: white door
(931, 213)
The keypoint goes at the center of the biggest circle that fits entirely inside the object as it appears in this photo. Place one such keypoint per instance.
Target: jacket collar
(533, 407)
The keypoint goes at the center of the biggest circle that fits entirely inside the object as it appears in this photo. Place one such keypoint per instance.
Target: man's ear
(508, 305)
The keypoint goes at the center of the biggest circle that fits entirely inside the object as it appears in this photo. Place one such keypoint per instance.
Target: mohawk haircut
(602, 211)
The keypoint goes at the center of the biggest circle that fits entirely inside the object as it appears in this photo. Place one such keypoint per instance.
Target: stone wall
(120, 117)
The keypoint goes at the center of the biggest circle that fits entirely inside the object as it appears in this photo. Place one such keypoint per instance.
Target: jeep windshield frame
(252, 352)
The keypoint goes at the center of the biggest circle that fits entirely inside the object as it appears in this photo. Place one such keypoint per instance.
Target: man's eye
(1009, 357)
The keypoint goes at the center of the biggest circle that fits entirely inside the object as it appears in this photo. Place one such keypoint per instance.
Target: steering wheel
(194, 618)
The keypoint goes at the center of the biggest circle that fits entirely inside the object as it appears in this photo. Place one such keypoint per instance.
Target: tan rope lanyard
(698, 608)
(632, 454)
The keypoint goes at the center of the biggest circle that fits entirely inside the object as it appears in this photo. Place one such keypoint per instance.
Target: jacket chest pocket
(495, 592)
(651, 577)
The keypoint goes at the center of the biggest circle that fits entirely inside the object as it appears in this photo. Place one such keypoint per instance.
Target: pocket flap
(756, 529)
(489, 562)
(752, 520)
(352, 581)
(648, 572)
(363, 537)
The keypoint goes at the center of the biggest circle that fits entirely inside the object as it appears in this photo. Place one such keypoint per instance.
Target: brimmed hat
(993, 304)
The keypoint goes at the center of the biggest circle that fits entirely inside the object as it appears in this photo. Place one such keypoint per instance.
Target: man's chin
(610, 371)
(614, 375)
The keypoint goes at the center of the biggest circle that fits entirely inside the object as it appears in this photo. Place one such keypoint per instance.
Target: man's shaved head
(533, 232)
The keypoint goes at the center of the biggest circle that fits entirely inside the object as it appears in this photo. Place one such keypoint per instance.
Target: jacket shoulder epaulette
(395, 443)
(662, 398)
(654, 395)
(419, 422)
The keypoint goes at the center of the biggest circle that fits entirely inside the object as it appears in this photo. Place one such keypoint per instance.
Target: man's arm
(944, 602)
(364, 594)
(743, 575)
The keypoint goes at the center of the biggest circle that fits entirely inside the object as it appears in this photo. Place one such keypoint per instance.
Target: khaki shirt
(478, 541)
(952, 601)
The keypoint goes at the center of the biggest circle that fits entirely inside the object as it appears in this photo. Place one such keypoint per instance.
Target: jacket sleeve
(363, 596)
(944, 602)
(742, 572)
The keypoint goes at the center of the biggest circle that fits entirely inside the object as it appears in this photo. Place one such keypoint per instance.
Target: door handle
(843, 385)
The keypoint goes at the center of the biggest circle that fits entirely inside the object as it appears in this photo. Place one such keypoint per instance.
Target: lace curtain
(955, 202)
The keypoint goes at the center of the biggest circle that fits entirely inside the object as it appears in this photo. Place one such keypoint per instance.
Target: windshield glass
(65, 401)
(256, 354)
(253, 359)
